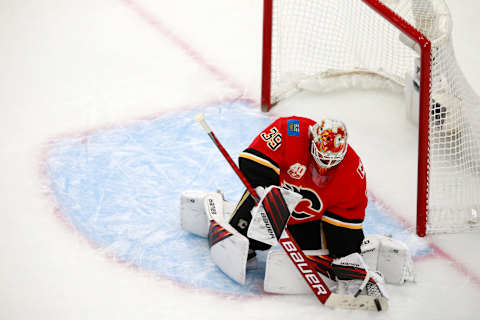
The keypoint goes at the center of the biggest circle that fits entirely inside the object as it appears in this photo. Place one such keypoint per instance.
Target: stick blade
(361, 302)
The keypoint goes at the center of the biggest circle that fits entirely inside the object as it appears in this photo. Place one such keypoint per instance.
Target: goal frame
(424, 92)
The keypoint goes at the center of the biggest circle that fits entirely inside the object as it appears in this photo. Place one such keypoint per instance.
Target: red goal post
(440, 122)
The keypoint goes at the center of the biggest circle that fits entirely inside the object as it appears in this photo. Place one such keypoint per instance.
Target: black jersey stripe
(260, 158)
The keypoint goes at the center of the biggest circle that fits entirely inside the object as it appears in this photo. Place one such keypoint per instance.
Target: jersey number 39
(273, 138)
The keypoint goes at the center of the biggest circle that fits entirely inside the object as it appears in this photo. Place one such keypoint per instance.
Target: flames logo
(310, 205)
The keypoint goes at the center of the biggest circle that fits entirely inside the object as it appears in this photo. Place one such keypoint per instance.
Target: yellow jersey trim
(338, 223)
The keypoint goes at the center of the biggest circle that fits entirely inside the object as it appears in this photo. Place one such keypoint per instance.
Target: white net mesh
(323, 45)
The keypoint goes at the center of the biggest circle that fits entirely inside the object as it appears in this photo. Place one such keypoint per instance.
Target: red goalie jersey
(281, 155)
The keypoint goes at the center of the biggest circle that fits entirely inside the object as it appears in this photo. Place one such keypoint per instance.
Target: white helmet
(329, 142)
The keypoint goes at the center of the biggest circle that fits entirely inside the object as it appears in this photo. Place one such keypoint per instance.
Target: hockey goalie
(308, 168)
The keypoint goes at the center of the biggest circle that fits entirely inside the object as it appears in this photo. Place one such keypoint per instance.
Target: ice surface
(120, 188)
(98, 139)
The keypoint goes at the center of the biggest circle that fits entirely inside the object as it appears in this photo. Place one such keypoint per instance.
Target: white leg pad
(192, 213)
(193, 216)
(228, 248)
(230, 255)
(389, 256)
(281, 275)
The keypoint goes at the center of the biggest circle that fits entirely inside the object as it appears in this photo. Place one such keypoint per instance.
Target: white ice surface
(75, 66)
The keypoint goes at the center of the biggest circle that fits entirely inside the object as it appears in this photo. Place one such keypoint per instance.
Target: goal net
(325, 45)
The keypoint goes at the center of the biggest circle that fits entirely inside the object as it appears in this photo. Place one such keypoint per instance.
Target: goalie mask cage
(323, 45)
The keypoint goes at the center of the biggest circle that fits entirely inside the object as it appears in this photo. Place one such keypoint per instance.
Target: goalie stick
(295, 253)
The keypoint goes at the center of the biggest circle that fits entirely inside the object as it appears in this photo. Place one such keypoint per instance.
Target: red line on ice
(168, 33)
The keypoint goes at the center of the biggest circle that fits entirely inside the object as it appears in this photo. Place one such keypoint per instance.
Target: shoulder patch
(293, 128)
(297, 170)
